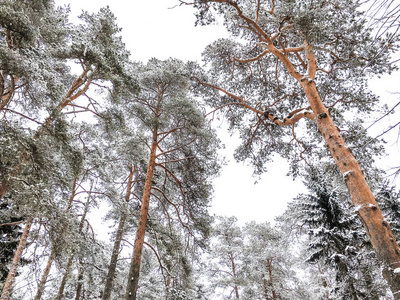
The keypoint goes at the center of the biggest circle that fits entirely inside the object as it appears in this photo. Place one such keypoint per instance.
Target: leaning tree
(308, 60)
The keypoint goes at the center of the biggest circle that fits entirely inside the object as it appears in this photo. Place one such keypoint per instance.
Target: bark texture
(65, 278)
(377, 228)
(134, 270)
(8, 284)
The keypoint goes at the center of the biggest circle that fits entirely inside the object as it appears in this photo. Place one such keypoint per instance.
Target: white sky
(150, 28)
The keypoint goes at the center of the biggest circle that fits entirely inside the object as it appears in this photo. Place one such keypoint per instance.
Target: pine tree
(182, 153)
(307, 61)
(98, 49)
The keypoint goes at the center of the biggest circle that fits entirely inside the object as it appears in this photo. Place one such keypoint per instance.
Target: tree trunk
(269, 261)
(8, 94)
(134, 270)
(46, 272)
(7, 288)
(114, 256)
(71, 258)
(234, 275)
(265, 285)
(377, 228)
(65, 278)
(80, 282)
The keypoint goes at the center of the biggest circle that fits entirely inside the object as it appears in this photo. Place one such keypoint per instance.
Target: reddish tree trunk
(134, 270)
(269, 261)
(265, 284)
(65, 278)
(234, 275)
(7, 288)
(377, 228)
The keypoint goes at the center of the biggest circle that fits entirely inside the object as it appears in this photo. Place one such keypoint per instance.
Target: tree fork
(134, 270)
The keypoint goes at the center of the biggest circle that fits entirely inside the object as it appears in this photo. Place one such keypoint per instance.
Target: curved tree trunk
(8, 284)
(134, 270)
(377, 228)
(120, 231)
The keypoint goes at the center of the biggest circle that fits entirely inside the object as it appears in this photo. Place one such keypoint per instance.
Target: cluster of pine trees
(85, 130)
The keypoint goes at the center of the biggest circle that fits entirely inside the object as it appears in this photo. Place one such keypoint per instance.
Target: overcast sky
(155, 28)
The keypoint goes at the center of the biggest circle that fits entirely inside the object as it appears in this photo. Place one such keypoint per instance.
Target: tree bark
(269, 261)
(377, 228)
(134, 270)
(80, 282)
(120, 231)
(236, 288)
(8, 284)
(46, 273)
(265, 285)
(65, 278)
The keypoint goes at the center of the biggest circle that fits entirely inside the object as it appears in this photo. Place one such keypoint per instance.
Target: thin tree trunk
(8, 284)
(114, 256)
(80, 282)
(269, 261)
(46, 273)
(234, 274)
(65, 278)
(71, 258)
(134, 270)
(265, 284)
(8, 94)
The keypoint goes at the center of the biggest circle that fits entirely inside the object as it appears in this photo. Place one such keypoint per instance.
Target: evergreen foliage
(85, 131)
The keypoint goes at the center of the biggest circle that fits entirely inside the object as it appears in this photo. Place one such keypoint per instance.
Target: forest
(108, 164)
